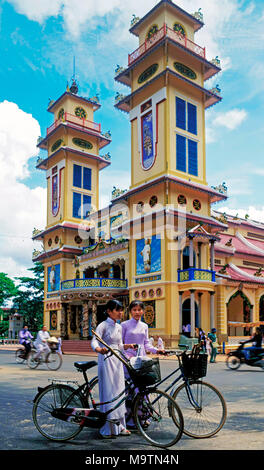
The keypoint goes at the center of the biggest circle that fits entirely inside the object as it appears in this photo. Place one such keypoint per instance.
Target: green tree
(29, 299)
(7, 291)
(7, 288)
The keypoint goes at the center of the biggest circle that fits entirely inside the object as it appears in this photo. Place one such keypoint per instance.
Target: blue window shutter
(180, 153)
(77, 176)
(192, 158)
(86, 206)
(192, 118)
(87, 178)
(180, 113)
(76, 206)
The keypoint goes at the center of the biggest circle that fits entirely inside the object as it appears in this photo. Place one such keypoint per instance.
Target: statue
(258, 272)
(116, 192)
(216, 90)
(198, 15)
(216, 61)
(223, 269)
(221, 188)
(229, 242)
(134, 20)
(35, 232)
(119, 97)
(119, 69)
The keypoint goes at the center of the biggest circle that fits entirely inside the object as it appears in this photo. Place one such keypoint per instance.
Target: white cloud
(22, 208)
(231, 119)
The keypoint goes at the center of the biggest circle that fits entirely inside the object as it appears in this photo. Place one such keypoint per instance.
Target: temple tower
(166, 105)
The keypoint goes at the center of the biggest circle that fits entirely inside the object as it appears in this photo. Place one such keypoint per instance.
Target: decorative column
(63, 324)
(180, 312)
(251, 317)
(212, 259)
(212, 318)
(85, 320)
(200, 309)
(94, 315)
(200, 255)
(192, 291)
(191, 253)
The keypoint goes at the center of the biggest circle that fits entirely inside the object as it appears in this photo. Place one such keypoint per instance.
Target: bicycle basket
(194, 367)
(147, 374)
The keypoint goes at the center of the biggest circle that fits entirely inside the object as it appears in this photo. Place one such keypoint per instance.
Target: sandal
(125, 432)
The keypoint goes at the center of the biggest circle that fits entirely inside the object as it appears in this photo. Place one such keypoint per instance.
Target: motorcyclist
(256, 347)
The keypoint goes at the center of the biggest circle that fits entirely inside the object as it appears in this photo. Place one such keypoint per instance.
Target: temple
(162, 240)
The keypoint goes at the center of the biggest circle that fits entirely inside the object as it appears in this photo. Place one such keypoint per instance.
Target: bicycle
(203, 406)
(62, 409)
(52, 359)
(21, 355)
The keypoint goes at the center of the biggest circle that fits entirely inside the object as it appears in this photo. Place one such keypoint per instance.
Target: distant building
(15, 325)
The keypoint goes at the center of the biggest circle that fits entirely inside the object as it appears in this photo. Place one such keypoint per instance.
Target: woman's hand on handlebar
(131, 346)
(102, 350)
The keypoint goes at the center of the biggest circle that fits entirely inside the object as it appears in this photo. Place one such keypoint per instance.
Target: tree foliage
(29, 299)
(7, 288)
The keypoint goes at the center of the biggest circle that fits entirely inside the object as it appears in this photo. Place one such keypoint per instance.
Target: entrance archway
(238, 310)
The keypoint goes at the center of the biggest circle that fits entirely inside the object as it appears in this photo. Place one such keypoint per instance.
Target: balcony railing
(94, 283)
(76, 122)
(170, 33)
(193, 274)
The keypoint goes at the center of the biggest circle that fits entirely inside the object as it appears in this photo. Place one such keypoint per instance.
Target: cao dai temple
(160, 241)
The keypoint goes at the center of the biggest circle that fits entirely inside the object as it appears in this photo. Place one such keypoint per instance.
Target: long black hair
(114, 305)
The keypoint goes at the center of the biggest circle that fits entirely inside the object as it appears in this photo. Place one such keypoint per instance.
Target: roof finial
(74, 86)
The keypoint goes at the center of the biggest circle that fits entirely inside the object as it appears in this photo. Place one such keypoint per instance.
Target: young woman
(136, 332)
(111, 371)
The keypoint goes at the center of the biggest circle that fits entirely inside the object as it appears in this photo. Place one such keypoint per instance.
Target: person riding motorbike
(256, 347)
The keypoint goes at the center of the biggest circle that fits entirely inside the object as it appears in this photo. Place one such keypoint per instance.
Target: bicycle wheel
(207, 415)
(20, 356)
(54, 360)
(233, 362)
(158, 418)
(94, 383)
(56, 396)
(31, 362)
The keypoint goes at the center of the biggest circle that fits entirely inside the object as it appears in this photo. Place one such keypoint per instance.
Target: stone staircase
(79, 347)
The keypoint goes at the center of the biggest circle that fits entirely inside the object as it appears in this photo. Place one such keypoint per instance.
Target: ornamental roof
(238, 244)
(195, 21)
(235, 273)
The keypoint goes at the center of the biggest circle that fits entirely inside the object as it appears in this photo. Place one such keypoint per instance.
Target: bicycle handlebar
(126, 363)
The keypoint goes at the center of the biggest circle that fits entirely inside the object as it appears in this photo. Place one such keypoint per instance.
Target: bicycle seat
(84, 365)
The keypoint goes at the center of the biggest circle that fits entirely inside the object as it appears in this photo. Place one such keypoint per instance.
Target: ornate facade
(159, 240)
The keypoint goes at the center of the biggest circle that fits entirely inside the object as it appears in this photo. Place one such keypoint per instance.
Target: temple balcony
(94, 283)
(210, 67)
(76, 122)
(194, 274)
(163, 32)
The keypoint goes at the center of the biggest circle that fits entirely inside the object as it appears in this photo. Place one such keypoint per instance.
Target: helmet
(213, 330)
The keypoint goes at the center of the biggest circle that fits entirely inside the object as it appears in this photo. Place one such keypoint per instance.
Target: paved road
(242, 389)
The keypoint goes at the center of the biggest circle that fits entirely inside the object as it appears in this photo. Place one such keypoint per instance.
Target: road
(242, 389)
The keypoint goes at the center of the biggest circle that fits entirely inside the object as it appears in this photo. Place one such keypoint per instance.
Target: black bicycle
(62, 410)
(202, 405)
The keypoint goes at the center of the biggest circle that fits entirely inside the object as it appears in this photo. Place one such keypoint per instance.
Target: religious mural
(148, 255)
(54, 278)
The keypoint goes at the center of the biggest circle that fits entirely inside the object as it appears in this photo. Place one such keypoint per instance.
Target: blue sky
(38, 42)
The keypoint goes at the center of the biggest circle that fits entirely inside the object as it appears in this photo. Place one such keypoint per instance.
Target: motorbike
(239, 356)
